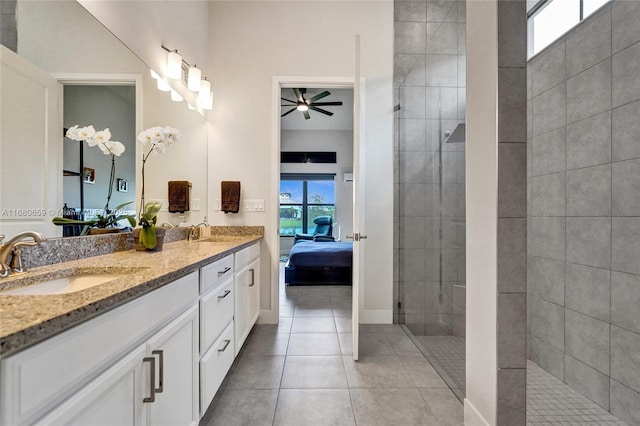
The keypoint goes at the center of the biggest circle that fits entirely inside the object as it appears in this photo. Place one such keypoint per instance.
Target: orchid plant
(101, 139)
(155, 141)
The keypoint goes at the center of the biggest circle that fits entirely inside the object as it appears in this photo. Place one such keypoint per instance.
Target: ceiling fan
(304, 105)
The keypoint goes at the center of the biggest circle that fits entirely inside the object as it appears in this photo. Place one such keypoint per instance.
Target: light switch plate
(195, 204)
(256, 205)
(217, 204)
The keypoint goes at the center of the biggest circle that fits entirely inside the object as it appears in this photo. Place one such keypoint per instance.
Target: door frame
(279, 83)
(102, 79)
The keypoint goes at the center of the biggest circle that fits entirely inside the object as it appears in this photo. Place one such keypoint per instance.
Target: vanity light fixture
(208, 103)
(163, 85)
(174, 65)
(193, 79)
(175, 96)
(205, 89)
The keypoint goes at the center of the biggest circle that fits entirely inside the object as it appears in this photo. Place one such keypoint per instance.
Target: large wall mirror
(69, 69)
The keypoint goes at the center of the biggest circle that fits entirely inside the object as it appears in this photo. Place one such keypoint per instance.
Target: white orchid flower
(103, 148)
(150, 136)
(72, 133)
(115, 148)
(85, 133)
(100, 137)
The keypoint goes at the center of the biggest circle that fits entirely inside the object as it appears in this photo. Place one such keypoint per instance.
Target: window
(548, 20)
(302, 199)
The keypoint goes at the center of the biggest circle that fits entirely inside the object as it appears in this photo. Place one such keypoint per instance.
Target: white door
(175, 350)
(30, 192)
(358, 202)
(114, 398)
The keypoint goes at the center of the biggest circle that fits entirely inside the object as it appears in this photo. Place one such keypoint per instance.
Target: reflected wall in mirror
(63, 41)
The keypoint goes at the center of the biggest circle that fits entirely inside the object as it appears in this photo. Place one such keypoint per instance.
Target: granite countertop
(26, 320)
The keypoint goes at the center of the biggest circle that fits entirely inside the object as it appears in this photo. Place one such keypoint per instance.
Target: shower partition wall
(430, 214)
(429, 247)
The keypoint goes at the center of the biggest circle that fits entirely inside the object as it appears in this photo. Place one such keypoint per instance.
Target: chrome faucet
(12, 247)
(194, 231)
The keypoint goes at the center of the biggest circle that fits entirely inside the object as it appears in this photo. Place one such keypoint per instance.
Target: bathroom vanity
(151, 346)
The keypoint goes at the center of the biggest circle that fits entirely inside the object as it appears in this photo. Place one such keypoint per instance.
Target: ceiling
(342, 118)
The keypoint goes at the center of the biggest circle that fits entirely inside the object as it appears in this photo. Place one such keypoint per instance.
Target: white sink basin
(63, 285)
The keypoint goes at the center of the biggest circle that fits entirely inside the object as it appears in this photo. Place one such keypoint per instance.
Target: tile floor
(550, 402)
(301, 372)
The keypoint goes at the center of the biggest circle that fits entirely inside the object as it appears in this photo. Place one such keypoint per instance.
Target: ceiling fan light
(193, 80)
(302, 107)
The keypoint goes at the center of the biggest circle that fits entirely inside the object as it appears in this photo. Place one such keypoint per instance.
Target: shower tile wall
(584, 209)
(429, 247)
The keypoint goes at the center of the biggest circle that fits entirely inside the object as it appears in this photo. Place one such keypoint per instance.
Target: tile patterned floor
(550, 402)
(301, 372)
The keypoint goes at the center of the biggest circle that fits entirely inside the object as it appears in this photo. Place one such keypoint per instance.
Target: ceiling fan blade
(319, 96)
(298, 95)
(323, 111)
(306, 115)
(288, 112)
(327, 103)
(288, 100)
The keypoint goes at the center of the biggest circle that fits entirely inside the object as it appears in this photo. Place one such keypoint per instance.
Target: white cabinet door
(114, 398)
(241, 317)
(175, 350)
(253, 288)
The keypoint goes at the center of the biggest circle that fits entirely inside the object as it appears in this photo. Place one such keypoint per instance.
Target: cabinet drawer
(214, 366)
(40, 377)
(215, 273)
(247, 255)
(216, 311)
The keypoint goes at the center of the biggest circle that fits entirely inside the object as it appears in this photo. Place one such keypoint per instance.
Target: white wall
(249, 44)
(482, 212)
(61, 37)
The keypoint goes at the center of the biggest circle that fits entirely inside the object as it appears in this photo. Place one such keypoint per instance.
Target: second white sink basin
(63, 285)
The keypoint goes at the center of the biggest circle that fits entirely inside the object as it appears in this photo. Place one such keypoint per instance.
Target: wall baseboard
(379, 316)
(471, 415)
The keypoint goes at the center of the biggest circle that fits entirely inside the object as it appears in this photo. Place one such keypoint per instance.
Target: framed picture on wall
(88, 175)
(123, 185)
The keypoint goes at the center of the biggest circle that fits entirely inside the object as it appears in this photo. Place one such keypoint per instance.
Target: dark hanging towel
(230, 197)
(179, 194)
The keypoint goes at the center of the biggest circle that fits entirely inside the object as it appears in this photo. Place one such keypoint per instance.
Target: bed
(312, 262)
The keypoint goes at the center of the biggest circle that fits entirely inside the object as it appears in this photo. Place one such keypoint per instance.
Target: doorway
(310, 83)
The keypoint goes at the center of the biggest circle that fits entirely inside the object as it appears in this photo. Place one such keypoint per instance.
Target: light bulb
(205, 88)
(154, 74)
(208, 104)
(163, 85)
(175, 96)
(193, 80)
(302, 107)
(174, 65)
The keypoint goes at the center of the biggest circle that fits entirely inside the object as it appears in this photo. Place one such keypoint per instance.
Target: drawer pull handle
(226, 293)
(152, 378)
(221, 273)
(253, 277)
(160, 354)
(224, 348)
